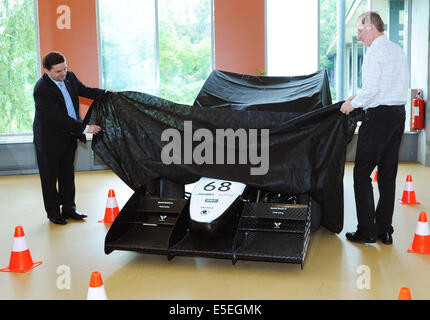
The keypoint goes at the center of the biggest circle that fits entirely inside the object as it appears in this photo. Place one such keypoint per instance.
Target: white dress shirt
(385, 76)
(58, 83)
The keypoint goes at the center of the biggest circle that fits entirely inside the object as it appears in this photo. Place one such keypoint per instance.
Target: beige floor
(334, 268)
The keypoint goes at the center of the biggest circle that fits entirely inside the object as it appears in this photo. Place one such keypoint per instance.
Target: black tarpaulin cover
(307, 141)
(240, 91)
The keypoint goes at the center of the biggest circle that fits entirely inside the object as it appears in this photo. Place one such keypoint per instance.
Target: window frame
(25, 137)
(354, 82)
(157, 42)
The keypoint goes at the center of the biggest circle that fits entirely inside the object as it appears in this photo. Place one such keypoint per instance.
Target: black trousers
(378, 145)
(53, 168)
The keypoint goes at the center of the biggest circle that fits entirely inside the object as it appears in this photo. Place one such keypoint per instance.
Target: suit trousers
(378, 145)
(53, 169)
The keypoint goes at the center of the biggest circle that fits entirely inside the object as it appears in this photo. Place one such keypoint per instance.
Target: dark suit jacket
(53, 129)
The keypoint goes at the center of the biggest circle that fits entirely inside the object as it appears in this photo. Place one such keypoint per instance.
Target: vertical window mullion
(36, 27)
(99, 46)
(213, 34)
(157, 49)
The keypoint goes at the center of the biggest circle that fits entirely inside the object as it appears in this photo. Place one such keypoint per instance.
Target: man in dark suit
(57, 126)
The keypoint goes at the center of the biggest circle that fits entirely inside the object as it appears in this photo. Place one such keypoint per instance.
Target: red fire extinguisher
(417, 112)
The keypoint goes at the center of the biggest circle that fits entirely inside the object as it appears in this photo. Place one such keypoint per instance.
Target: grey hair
(370, 17)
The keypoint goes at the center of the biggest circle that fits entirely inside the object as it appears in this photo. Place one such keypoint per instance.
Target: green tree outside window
(18, 65)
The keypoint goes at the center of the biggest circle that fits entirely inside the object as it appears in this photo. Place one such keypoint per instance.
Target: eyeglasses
(360, 31)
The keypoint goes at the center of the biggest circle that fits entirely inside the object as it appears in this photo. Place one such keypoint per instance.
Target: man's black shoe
(74, 215)
(57, 220)
(386, 238)
(358, 237)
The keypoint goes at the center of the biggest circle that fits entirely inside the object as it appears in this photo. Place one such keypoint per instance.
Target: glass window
(392, 12)
(185, 48)
(128, 48)
(328, 44)
(159, 47)
(328, 28)
(18, 65)
(292, 37)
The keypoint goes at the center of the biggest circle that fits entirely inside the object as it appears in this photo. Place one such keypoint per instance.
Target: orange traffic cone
(421, 242)
(96, 290)
(375, 178)
(405, 294)
(409, 193)
(20, 258)
(112, 209)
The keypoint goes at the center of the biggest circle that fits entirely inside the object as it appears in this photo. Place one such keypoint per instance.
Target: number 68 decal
(224, 186)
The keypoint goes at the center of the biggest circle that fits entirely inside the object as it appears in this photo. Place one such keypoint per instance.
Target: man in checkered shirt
(383, 96)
